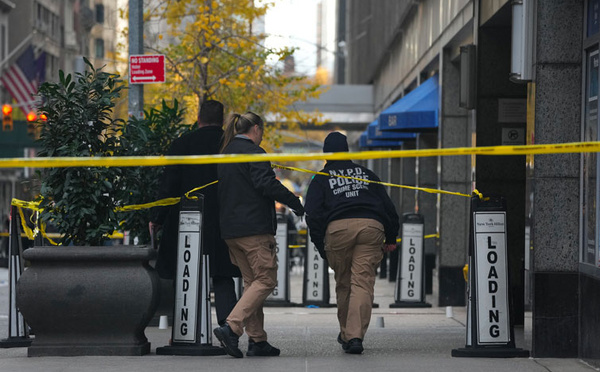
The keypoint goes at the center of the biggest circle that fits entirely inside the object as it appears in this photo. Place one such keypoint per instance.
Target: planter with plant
(85, 297)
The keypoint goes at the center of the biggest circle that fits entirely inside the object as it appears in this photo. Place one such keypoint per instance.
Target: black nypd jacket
(247, 194)
(334, 198)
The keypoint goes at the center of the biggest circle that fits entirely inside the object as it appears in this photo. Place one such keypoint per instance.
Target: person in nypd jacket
(247, 195)
(352, 223)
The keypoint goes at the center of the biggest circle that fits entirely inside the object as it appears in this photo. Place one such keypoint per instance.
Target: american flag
(23, 78)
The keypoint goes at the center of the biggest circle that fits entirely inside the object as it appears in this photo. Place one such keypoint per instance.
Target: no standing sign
(146, 69)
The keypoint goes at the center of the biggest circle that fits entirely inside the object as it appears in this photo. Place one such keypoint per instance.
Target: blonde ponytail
(230, 132)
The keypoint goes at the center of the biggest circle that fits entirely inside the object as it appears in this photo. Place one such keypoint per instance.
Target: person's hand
(299, 212)
(389, 248)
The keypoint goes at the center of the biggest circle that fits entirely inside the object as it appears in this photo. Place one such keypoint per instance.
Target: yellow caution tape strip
(20, 204)
(430, 236)
(115, 235)
(163, 202)
(28, 232)
(35, 206)
(153, 161)
(158, 203)
(431, 191)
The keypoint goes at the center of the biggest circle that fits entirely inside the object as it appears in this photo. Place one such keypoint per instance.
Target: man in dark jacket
(179, 179)
(349, 221)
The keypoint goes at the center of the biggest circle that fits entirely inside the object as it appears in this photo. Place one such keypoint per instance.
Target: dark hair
(240, 124)
(211, 112)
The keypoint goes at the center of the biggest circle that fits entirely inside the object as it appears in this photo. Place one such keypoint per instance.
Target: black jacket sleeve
(264, 179)
(315, 219)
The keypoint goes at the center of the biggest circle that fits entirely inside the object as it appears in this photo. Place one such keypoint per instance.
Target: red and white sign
(146, 69)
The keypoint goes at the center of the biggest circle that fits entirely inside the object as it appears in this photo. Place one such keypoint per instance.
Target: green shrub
(80, 202)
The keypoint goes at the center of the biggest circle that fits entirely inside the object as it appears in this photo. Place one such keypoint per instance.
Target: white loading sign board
(412, 263)
(314, 274)
(280, 290)
(187, 277)
(492, 279)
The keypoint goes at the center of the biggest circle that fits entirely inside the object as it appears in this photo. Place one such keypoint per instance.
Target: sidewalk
(411, 340)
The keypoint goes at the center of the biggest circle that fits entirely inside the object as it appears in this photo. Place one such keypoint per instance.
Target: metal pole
(17, 49)
(136, 46)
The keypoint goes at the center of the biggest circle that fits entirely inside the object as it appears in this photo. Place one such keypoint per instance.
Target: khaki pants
(255, 256)
(354, 251)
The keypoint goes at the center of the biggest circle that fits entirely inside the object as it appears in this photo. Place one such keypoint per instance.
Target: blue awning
(417, 111)
(365, 142)
(375, 133)
(374, 137)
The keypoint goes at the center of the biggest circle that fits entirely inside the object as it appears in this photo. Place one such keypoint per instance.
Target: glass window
(99, 48)
(590, 161)
(593, 17)
(3, 42)
(100, 13)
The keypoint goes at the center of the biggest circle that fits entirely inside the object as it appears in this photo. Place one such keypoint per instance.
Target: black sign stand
(18, 332)
(490, 333)
(191, 332)
(410, 280)
(238, 285)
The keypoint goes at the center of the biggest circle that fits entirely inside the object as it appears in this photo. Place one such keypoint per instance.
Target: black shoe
(355, 346)
(262, 348)
(344, 344)
(229, 340)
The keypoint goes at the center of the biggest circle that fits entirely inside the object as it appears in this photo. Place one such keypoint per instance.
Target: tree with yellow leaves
(214, 52)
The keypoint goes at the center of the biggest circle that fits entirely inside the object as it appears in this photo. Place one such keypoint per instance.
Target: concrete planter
(88, 300)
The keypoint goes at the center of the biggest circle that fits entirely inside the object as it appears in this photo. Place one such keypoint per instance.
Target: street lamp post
(136, 47)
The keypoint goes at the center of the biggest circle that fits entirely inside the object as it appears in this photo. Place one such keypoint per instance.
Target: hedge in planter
(87, 299)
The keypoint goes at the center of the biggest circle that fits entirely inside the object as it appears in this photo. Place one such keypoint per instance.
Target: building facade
(63, 31)
(506, 76)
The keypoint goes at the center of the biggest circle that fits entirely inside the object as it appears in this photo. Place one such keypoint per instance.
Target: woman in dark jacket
(247, 195)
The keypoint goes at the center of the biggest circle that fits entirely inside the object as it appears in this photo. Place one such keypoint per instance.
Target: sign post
(18, 333)
(410, 281)
(281, 293)
(191, 333)
(490, 333)
(146, 69)
(136, 46)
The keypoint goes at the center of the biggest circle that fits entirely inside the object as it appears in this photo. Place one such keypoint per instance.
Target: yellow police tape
(152, 161)
(135, 161)
(115, 235)
(425, 189)
(20, 204)
(163, 202)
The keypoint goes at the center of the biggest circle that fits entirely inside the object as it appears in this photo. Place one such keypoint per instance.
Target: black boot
(344, 344)
(262, 348)
(229, 340)
(355, 346)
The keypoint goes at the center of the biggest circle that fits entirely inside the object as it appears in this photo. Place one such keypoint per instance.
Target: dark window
(99, 13)
(99, 48)
(2, 42)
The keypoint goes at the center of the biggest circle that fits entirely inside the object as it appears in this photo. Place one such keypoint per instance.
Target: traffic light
(7, 119)
(31, 119)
